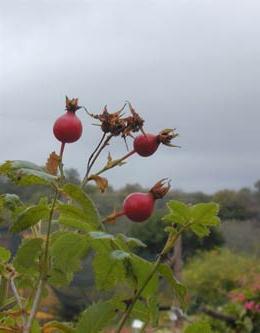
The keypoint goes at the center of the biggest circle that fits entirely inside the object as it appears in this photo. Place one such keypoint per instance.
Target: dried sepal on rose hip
(133, 123)
(139, 206)
(146, 144)
(115, 124)
(112, 123)
(68, 127)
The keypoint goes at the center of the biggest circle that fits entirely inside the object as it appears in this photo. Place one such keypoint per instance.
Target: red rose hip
(146, 145)
(138, 207)
(68, 127)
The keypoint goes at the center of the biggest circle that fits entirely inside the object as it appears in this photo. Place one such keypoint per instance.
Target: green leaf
(153, 307)
(27, 257)
(18, 164)
(141, 269)
(96, 317)
(204, 212)
(33, 177)
(141, 312)
(26, 173)
(66, 252)
(147, 311)
(178, 288)
(86, 204)
(128, 243)
(199, 327)
(5, 254)
(100, 235)
(179, 212)
(35, 327)
(29, 217)
(200, 230)
(120, 255)
(74, 217)
(109, 271)
(11, 201)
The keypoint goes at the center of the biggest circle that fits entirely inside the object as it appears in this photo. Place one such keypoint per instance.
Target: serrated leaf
(18, 164)
(199, 327)
(10, 201)
(202, 213)
(35, 327)
(96, 317)
(52, 163)
(33, 177)
(179, 212)
(178, 288)
(29, 217)
(153, 307)
(141, 269)
(5, 254)
(26, 260)
(120, 255)
(86, 204)
(26, 173)
(75, 217)
(141, 312)
(108, 271)
(200, 230)
(128, 243)
(66, 252)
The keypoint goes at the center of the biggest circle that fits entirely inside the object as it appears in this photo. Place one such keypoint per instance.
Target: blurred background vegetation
(221, 271)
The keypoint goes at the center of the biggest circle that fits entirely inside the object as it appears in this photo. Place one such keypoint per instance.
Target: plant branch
(105, 143)
(137, 295)
(44, 272)
(18, 299)
(35, 306)
(169, 245)
(96, 149)
(116, 162)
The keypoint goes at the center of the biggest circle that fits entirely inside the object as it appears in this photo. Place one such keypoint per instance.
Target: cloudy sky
(189, 64)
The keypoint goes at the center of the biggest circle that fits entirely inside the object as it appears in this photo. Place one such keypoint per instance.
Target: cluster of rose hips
(68, 128)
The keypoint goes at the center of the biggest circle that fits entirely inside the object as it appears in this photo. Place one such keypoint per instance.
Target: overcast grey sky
(189, 64)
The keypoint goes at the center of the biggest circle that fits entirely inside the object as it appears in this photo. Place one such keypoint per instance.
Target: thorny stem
(171, 241)
(44, 271)
(18, 299)
(105, 143)
(117, 162)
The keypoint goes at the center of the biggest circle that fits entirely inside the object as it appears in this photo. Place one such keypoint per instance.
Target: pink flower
(257, 308)
(250, 305)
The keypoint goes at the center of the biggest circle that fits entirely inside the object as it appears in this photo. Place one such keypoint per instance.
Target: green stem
(117, 162)
(18, 299)
(49, 228)
(138, 294)
(170, 242)
(44, 272)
